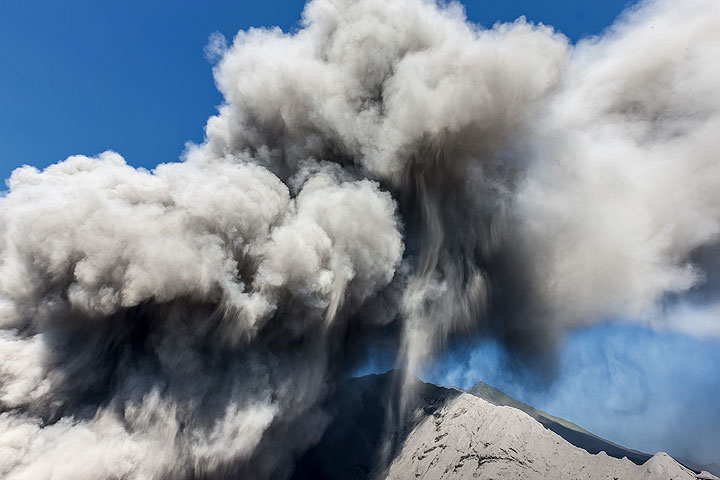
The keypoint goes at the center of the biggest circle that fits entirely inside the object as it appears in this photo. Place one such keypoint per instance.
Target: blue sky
(83, 76)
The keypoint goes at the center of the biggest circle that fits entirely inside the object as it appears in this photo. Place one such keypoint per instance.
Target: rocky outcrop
(471, 438)
(444, 433)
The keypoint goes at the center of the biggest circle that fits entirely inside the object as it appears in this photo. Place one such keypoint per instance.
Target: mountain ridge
(574, 433)
(570, 431)
(444, 432)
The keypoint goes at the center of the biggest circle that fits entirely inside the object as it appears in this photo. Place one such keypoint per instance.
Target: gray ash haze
(389, 174)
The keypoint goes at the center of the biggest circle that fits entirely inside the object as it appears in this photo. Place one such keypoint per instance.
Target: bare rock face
(705, 475)
(445, 433)
(471, 438)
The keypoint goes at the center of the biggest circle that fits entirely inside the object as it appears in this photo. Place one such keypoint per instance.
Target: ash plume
(389, 173)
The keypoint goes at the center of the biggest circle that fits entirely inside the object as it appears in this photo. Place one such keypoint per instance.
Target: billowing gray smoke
(389, 173)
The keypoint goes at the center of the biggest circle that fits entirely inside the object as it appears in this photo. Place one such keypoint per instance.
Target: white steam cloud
(389, 171)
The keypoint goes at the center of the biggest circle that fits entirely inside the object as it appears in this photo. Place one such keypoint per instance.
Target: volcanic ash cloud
(388, 173)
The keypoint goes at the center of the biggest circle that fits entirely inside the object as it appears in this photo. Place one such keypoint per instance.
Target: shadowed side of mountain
(365, 434)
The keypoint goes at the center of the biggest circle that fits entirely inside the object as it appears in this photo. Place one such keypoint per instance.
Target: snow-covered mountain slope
(444, 433)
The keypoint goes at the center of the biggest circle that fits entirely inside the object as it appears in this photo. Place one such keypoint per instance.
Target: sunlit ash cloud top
(388, 173)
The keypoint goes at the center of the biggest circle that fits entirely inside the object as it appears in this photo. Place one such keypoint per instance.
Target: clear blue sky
(83, 76)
